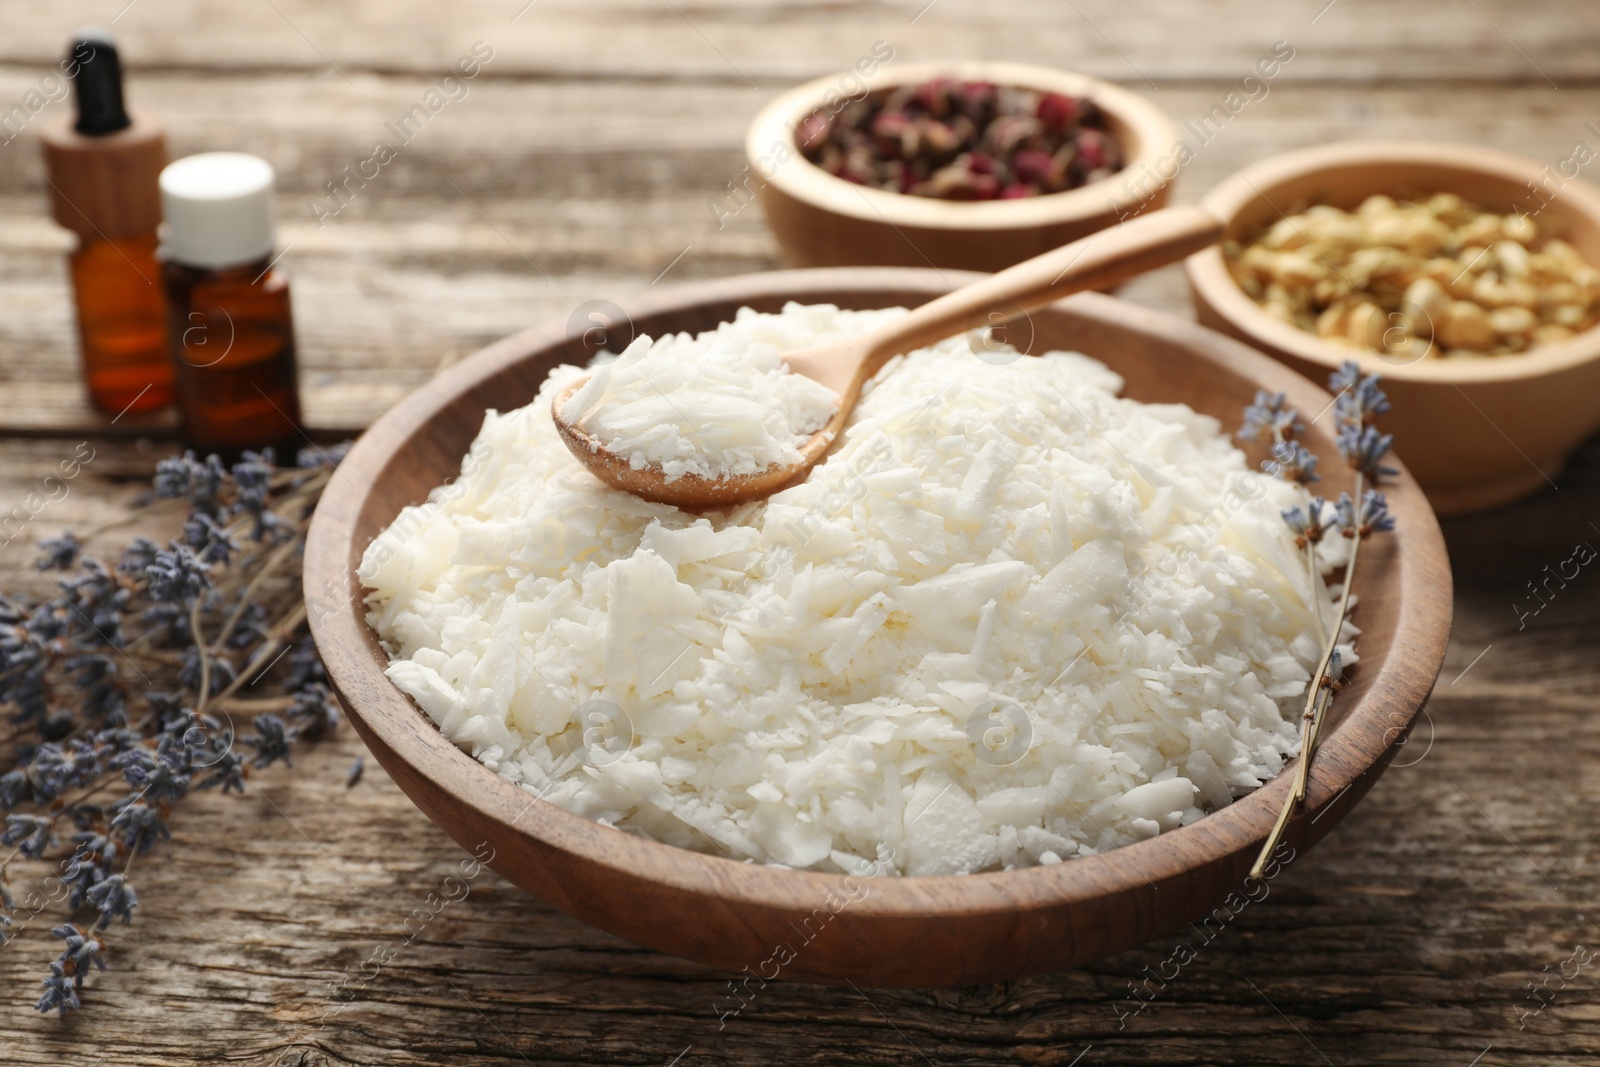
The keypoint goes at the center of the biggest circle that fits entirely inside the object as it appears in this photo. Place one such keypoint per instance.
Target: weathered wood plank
(732, 42)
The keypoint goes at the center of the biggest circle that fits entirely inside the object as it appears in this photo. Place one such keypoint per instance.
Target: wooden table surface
(1446, 922)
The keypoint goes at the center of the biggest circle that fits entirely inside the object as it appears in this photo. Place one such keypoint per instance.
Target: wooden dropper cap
(103, 165)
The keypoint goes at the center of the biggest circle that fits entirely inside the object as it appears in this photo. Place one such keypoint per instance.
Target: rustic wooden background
(1442, 924)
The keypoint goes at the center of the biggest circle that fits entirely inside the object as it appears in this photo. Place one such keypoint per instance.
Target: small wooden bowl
(901, 931)
(1477, 433)
(824, 221)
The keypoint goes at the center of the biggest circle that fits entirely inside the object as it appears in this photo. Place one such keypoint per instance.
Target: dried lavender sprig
(1270, 420)
(1358, 401)
(82, 727)
(1363, 448)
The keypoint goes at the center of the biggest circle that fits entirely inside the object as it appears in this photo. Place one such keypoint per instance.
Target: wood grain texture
(1411, 935)
(773, 43)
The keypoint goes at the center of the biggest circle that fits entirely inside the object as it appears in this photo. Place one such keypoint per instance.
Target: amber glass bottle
(231, 330)
(102, 165)
(122, 321)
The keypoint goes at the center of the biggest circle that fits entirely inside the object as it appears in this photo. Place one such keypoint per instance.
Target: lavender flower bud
(115, 899)
(60, 553)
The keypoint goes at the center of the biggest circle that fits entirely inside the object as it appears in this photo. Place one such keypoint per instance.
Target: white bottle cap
(218, 209)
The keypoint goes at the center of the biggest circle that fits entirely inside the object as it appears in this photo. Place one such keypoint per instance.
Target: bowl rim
(774, 127)
(1213, 286)
(1352, 753)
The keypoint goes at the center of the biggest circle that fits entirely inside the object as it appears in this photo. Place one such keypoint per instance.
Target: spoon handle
(1101, 259)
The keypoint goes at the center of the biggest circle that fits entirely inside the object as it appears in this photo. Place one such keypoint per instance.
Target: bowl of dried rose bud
(973, 166)
(1469, 278)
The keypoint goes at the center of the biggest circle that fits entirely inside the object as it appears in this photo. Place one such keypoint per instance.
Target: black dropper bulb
(98, 83)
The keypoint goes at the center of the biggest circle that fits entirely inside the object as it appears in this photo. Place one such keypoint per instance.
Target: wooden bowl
(1477, 433)
(824, 221)
(929, 931)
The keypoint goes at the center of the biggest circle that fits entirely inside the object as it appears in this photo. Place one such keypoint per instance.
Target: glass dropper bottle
(101, 165)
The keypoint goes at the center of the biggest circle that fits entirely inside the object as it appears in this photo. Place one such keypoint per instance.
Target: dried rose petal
(890, 134)
(976, 100)
(964, 129)
(1006, 135)
(939, 140)
(1032, 165)
(1092, 148)
(935, 96)
(1056, 111)
(963, 140)
(975, 187)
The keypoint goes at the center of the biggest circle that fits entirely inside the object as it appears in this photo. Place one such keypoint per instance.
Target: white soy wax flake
(1013, 619)
(718, 405)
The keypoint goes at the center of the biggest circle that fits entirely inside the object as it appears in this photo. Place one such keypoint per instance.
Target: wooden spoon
(1097, 261)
